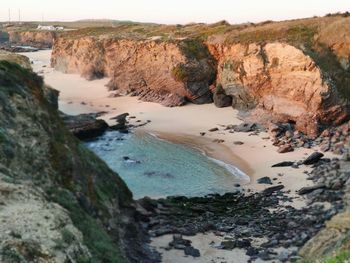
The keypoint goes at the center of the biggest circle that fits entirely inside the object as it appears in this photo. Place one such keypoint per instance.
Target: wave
(232, 169)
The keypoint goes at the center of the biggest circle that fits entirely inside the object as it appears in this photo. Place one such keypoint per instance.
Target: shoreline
(183, 125)
(220, 154)
(255, 156)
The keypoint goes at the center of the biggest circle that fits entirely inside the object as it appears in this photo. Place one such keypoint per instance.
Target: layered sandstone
(279, 79)
(40, 39)
(169, 72)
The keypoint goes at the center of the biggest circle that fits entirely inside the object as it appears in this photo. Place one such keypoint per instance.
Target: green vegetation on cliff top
(298, 30)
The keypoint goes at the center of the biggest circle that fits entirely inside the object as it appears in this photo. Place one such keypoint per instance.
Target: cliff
(166, 72)
(278, 79)
(23, 61)
(293, 71)
(39, 39)
(58, 201)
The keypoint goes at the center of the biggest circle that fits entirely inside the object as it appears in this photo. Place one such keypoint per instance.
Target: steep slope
(39, 39)
(165, 72)
(292, 71)
(19, 59)
(278, 78)
(59, 201)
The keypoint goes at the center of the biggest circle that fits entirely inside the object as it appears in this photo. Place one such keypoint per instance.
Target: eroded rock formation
(276, 78)
(280, 79)
(39, 39)
(165, 72)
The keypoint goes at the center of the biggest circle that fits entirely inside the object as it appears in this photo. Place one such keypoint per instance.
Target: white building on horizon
(50, 28)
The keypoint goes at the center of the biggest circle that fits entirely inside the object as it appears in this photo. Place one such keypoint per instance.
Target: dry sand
(182, 125)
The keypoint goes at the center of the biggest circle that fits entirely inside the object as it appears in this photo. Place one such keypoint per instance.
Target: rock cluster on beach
(286, 138)
(260, 223)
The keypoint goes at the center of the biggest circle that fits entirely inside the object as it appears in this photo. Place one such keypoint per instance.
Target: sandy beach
(183, 125)
(180, 124)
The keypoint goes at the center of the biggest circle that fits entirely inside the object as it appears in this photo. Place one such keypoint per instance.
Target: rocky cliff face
(23, 61)
(275, 79)
(279, 79)
(292, 71)
(58, 201)
(39, 39)
(165, 72)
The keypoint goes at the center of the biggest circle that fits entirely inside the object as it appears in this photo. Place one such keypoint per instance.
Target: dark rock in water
(309, 189)
(121, 123)
(202, 133)
(238, 143)
(121, 117)
(159, 174)
(313, 158)
(264, 180)
(123, 131)
(221, 100)
(191, 251)
(127, 159)
(214, 129)
(85, 126)
(283, 164)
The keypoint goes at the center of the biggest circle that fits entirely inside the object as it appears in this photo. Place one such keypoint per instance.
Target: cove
(158, 168)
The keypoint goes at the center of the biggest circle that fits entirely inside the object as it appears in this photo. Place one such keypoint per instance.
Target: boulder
(121, 123)
(309, 189)
(245, 127)
(264, 180)
(85, 126)
(283, 164)
(313, 158)
(191, 251)
(285, 148)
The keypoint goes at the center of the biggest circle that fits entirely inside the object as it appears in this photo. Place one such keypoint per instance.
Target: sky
(170, 11)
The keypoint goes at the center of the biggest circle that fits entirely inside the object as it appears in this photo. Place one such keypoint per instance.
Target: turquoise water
(157, 168)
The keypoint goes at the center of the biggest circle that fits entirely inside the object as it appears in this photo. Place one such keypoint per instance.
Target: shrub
(180, 73)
